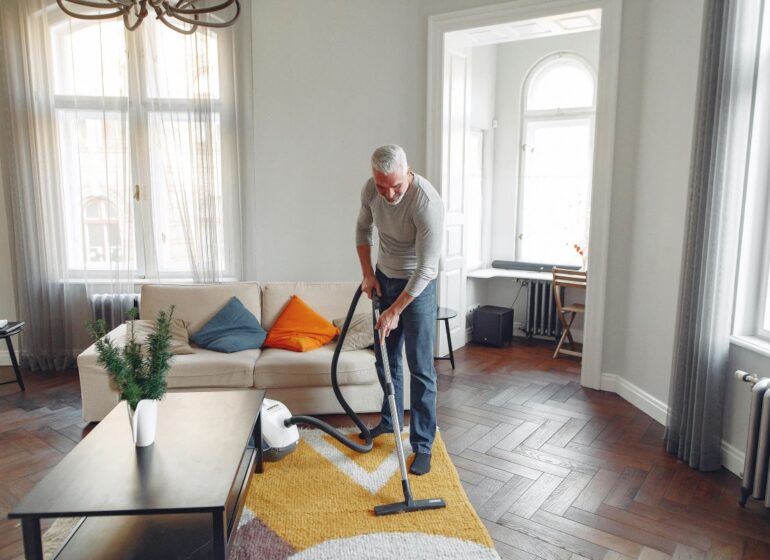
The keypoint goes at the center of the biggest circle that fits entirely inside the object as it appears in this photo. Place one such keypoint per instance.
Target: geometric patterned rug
(318, 504)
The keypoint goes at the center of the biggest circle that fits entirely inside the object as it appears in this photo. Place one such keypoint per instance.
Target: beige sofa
(301, 380)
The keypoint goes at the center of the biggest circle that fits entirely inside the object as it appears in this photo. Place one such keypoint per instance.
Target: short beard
(395, 202)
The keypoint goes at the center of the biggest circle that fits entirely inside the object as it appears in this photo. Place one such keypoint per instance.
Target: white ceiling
(550, 26)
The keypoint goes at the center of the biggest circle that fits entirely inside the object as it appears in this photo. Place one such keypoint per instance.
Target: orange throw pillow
(300, 329)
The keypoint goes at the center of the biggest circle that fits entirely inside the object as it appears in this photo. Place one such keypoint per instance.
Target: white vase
(143, 421)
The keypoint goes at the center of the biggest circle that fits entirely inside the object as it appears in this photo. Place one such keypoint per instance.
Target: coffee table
(181, 497)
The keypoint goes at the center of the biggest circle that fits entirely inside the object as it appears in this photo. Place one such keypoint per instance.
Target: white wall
(332, 81)
(656, 103)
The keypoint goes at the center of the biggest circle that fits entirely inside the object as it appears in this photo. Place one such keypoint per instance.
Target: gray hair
(389, 159)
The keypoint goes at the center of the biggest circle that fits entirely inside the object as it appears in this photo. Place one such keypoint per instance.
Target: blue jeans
(417, 330)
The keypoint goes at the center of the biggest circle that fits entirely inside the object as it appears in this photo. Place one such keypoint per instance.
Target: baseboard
(732, 457)
(642, 400)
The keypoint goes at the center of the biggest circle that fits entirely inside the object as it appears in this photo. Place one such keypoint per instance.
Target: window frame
(527, 117)
(751, 287)
(764, 283)
(137, 108)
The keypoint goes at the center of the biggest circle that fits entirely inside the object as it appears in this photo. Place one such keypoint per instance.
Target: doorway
(521, 109)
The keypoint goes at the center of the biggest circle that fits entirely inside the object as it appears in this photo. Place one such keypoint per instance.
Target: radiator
(542, 319)
(113, 308)
(756, 469)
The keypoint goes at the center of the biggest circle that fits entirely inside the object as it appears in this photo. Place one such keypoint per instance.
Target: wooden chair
(566, 278)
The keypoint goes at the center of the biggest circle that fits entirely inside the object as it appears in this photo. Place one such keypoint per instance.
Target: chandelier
(183, 16)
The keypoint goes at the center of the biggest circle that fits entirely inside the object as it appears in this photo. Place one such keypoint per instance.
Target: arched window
(553, 198)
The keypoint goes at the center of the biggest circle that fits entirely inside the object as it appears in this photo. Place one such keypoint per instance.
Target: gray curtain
(27, 146)
(726, 87)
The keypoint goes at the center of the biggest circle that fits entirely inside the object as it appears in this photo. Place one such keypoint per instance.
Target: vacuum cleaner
(279, 429)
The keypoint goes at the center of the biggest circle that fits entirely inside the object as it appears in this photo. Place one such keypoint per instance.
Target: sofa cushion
(206, 368)
(232, 329)
(299, 328)
(197, 303)
(180, 338)
(202, 368)
(283, 368)
(329, 299)
(360, 333)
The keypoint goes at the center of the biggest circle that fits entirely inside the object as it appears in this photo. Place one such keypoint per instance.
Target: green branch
(136, 376)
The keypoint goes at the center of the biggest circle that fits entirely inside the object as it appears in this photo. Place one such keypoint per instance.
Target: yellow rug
(318, 503)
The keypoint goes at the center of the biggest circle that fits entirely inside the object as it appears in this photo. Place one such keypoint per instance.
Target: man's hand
(370, 283)
(388, 321)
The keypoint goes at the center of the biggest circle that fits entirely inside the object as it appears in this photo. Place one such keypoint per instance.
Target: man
(409, 216)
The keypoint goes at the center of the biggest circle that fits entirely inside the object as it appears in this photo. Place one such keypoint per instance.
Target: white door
(455, 124)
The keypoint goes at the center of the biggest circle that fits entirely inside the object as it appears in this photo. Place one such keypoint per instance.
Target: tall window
(752, 313)
(553, 198)
(145, 124)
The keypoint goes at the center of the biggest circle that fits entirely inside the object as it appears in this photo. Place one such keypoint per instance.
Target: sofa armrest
(97, 391)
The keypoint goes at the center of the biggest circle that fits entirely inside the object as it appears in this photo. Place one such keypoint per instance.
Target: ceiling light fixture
(183, 16)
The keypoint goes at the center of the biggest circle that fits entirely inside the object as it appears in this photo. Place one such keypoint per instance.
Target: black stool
(6, 332)
(444, 314)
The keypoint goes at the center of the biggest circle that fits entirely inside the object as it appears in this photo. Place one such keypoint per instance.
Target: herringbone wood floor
(556, 472)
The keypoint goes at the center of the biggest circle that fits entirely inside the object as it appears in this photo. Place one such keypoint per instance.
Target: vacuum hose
(328, 428)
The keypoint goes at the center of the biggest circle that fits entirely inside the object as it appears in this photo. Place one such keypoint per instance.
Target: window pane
(96, 244)
(94, 166)
(182, 66)
(95, 209)
(560, 84)
(555, 191)
(89, 58)
(185, 164)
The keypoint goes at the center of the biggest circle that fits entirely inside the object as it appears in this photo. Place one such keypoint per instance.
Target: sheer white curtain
(191, 144)
(120, 160)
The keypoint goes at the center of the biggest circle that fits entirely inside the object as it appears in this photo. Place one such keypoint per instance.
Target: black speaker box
(493, 325)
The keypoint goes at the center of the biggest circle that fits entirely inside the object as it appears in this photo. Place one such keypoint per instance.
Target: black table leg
(33, 545)
(258, 444)
(220, 537)
(449, 342)
(16, 368)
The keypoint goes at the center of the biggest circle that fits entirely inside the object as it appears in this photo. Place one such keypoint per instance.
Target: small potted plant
(139, 373)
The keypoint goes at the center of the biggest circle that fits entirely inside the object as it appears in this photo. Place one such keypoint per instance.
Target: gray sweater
(410, 232)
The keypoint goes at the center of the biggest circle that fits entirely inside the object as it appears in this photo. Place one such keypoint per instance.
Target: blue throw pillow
(232, 329)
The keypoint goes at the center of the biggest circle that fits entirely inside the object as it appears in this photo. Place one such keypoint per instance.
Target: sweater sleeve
(364, 225)
(429, 223)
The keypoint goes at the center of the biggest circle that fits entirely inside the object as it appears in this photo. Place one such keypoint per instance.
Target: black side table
(444, 314)
(6, 332)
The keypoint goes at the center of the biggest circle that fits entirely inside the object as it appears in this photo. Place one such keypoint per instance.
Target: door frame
(604, 136)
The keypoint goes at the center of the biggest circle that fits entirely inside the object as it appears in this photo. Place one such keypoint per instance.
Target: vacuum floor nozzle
(406, 507)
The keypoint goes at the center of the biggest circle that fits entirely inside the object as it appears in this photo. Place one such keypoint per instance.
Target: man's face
(391, 187)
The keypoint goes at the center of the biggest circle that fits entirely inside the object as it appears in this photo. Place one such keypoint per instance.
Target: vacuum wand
(409, 503)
